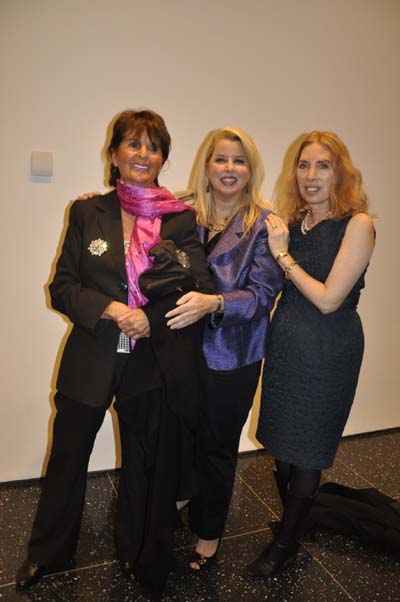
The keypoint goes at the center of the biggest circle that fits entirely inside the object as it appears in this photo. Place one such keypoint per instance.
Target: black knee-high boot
(282, 482)
(287, 541)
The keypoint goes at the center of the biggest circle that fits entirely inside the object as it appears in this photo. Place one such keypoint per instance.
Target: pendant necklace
(304, 227)
(217, 227)
(220, 227)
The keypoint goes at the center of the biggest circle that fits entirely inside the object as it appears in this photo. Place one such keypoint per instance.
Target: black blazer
(84, 284)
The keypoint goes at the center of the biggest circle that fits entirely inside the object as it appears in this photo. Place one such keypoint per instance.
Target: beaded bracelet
(289, 267)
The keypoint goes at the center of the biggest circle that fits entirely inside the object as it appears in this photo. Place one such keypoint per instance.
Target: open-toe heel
(203, 562)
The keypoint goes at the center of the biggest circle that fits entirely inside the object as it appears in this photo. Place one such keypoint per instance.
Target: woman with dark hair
(316, 342)
(120, 346)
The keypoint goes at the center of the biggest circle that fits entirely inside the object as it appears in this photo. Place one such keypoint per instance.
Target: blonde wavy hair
(347, 196)
(199, 193)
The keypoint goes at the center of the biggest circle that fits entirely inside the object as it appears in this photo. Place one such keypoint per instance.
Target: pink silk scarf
(147, 205)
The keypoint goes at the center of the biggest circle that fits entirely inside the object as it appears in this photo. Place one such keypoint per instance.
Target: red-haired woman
(323, 242)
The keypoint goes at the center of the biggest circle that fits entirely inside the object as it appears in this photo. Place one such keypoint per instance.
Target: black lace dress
(312, 360)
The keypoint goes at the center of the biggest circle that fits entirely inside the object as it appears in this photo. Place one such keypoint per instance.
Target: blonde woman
(323, 246)
(224, 188)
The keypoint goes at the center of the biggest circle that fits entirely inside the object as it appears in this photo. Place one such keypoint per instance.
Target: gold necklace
(304, 227)
(218, 227)
(213, 227)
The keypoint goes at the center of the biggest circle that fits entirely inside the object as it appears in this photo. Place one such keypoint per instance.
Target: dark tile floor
(329, 568)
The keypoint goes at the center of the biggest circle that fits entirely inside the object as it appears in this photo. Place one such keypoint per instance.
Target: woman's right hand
(88, 195)
(190, 308)
(278, 234)
(115, 311)
(133, 322)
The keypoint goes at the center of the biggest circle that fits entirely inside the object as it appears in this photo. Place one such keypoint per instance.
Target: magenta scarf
(147, 205)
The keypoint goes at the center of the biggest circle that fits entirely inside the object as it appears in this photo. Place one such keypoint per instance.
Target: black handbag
(170, 272)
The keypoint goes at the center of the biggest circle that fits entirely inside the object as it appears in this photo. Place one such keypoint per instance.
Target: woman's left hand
(191, 307)
(135, 324)
(278, 234)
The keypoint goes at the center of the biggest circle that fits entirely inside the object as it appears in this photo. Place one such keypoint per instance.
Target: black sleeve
(83, 306)
(190, 243)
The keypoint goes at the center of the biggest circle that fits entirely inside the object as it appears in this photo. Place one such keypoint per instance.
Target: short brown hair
(137, 122)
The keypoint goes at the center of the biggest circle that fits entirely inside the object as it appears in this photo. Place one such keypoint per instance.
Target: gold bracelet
(289, 267)
(218, 308)
(281, 255)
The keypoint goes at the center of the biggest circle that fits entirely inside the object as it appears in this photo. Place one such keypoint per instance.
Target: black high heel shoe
(204, 562)
(28, 574)
(127, 567)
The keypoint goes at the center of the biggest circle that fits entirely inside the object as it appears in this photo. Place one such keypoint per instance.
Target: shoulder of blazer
(259, 225)
(236, 226)
(178, 223)
(108, 202)
(184, 217)
(262, 217)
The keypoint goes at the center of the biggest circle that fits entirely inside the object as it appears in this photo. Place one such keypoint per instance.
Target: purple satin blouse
(249, 278)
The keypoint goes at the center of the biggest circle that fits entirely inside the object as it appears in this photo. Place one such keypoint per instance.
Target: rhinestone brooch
(98, 247)
(183, 258)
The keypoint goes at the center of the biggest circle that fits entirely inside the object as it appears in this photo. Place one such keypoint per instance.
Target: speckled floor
(329, 568)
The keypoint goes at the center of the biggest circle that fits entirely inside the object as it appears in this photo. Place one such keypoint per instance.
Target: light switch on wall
(41, 164)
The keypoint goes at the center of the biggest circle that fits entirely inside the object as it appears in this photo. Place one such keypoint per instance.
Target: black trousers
(226, 407)
(157, 461)
(56, 527)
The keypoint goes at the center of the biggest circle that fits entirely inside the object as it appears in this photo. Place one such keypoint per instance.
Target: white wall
(272, 68)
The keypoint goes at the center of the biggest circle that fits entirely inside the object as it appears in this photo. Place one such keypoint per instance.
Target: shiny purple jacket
(244, 270)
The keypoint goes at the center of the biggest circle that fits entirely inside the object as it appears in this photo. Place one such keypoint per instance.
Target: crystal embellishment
(183, 258)
(98, 247)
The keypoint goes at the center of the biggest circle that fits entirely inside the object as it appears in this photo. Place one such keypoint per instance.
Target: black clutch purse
(170, 272)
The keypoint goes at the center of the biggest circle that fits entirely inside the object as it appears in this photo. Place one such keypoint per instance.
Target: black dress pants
(56, 527)
(229, 396)
(151, 442)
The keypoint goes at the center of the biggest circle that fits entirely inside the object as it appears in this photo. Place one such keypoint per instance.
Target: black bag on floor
(366, 513)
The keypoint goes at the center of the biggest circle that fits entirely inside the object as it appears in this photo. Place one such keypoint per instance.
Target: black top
(210, 244)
